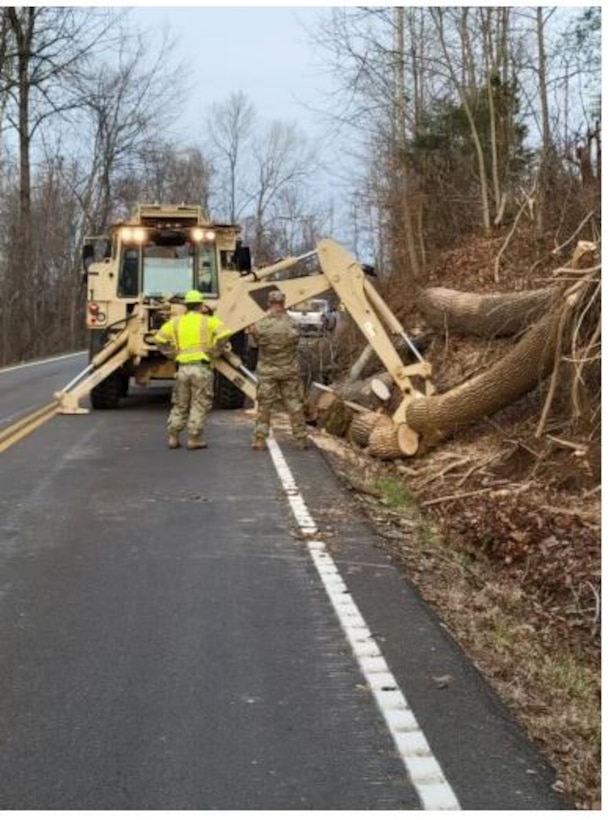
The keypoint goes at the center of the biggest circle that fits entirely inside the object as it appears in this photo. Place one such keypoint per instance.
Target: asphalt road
(168, 639)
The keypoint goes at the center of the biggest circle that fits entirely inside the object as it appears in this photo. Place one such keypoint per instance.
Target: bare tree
(50, 45)
(164, 172)
(230, 128)
(43, 51)
(126, 107)
(282, 159)
(546, 133)
(439, 16)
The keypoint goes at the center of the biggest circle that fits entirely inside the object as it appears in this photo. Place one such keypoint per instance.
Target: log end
(407, 439)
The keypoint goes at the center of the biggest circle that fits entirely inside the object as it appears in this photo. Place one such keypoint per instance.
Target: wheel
(106, 394)
(226, 395)
(124, 384)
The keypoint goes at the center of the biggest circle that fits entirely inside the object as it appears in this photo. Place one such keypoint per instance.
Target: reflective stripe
(192, 352)
(200, 339)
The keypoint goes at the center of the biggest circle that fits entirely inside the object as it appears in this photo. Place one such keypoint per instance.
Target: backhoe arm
(374, 318)
(246, 302)
(124, 346)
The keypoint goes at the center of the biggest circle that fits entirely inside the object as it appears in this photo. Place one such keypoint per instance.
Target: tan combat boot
(173, 442)
(259, 443)
(196, 444)
(303, 443)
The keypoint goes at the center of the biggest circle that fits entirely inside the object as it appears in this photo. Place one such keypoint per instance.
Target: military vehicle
(138, 275)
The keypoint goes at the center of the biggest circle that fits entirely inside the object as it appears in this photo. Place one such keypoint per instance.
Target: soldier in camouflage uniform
(278, 372)
(191, 340)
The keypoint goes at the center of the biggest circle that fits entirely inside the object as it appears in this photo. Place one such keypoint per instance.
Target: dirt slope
(507, 542)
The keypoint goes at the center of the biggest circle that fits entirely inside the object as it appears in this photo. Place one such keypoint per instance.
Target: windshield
(167, 269)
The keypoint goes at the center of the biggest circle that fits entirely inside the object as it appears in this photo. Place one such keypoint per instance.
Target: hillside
(506, 544)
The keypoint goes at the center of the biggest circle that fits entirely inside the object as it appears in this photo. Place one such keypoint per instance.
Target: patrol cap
(276, 296)
(193, 297)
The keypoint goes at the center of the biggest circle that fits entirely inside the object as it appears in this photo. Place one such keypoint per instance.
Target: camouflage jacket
(278, 339)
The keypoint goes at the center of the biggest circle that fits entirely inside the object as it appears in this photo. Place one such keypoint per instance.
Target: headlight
(197, 234)
(133, 234)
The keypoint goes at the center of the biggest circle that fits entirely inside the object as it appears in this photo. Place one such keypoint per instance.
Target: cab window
(128, 275)
(207, 270)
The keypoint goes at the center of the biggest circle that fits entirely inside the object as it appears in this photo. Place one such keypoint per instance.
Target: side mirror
(242, 259)
(88, 256)
(95, 248)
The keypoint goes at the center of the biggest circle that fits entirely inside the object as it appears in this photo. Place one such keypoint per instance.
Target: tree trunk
(488, 315)
(335, 416)
(361, 426)
(519, 372)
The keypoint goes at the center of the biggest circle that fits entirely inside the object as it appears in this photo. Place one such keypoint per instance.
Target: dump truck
(138, 275)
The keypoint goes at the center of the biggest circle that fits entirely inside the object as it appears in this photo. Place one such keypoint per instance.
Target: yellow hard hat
(193, 297)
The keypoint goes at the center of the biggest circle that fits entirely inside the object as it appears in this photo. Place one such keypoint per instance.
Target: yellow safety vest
(192, 335)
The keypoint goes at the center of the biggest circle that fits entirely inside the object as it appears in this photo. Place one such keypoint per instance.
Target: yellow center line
(23, 427)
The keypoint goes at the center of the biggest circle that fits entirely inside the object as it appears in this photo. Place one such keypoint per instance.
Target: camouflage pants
(288, 390)
(192, 398)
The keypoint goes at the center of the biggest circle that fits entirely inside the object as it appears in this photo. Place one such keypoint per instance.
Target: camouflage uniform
(192, 399)
(191, 339)
(279, 375)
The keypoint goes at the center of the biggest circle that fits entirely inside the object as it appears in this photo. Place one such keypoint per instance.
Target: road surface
(220, 629)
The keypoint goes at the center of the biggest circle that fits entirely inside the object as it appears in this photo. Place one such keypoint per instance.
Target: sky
(266, 52)
(263, 51)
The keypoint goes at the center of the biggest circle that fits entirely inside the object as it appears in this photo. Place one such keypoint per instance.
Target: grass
(394, 494)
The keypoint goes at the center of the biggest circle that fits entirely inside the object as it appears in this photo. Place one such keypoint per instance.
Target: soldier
(278, 372)
(191, 339)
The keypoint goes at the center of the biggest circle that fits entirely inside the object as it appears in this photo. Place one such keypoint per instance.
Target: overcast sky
(267, 53)
(264, 52)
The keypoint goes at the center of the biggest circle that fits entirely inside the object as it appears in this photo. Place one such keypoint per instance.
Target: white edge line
(422, 767)
(40, 361)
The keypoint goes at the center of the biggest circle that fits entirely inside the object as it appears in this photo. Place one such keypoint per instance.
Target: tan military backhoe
(137, 282)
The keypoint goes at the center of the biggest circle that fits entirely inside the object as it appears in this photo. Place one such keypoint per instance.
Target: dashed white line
(422, 767)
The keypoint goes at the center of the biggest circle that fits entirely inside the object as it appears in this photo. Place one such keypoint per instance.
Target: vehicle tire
(124, 384)
(226, 395)
(107, 394)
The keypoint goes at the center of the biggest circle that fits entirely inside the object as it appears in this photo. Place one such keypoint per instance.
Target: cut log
(370, 392)
(336, 417)
(388, 440)
(361, 426)
(527, 365)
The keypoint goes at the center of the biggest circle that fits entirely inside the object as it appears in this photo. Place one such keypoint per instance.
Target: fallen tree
(538, 353)
(484, 315)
